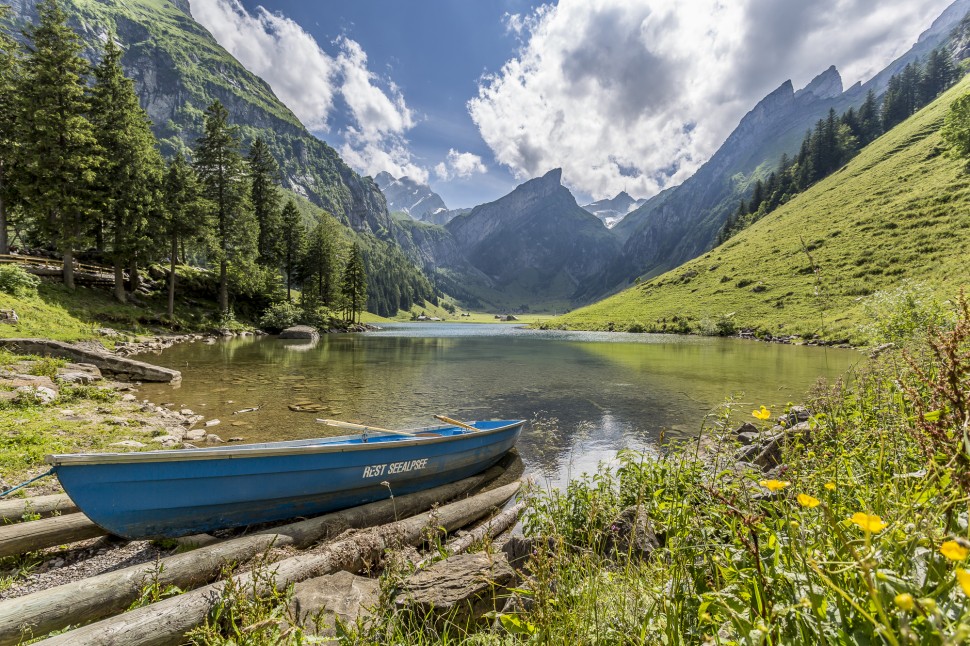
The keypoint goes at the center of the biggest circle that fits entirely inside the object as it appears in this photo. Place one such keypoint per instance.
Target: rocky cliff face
(611, 211)
(536, 241)
(405, 195)
(179, 69)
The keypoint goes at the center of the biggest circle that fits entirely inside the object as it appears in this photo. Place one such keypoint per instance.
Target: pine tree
(264, 177)
(319, 266)
(58, 156)
(9, 70)
(354, 288)
(293, 238)
(222, 173)
(129, 179)
(869, 125)
(186, 216)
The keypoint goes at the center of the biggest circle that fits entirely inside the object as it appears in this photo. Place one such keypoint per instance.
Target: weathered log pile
(344, 541)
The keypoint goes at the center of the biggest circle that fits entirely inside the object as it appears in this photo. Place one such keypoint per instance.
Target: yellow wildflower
(774, 485)
(762, 413)
(954, 551)
(963, 577)
(830, 486)
(868, 522)
(807, 501)
(905, 601)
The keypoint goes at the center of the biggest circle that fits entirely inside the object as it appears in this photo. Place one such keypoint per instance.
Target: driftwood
(167, 621)
(12, 511)
(106, 594)
(492, 527)
(38, 534)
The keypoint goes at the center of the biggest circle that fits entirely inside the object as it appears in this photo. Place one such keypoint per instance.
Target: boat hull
(176, 493)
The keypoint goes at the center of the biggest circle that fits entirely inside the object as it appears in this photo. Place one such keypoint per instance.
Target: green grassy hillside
(899, 210)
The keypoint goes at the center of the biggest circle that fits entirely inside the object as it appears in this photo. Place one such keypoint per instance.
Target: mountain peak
(826, 85)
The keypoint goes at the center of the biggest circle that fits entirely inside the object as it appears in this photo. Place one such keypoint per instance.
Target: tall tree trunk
(133, 275)
(224, 286)
(171, 277)
(119, 282)
(4, 244)
(68, 258)
(288, 272)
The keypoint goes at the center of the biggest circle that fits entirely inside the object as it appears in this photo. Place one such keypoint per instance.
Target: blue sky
(476, 96)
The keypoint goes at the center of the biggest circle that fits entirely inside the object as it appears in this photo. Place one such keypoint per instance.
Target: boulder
(317, 603)
(302, 332)
(106, 362)
(9, 316)
(459, 590)
(631, 536)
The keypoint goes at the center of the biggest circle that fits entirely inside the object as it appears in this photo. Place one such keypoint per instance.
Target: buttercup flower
(807, 501)
(774, 485)
(905, 601)
(954, 551)
(830, 486)
(762, 413)
(868, 522)
(963, 578)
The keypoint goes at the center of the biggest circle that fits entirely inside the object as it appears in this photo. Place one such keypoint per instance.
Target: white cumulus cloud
(459, 165)
(637, 94)
(309, 80)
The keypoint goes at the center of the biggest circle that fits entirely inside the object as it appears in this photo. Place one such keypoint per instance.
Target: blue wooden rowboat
(179, 492)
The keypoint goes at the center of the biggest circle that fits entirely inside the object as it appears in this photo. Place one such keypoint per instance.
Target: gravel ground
(82, 560)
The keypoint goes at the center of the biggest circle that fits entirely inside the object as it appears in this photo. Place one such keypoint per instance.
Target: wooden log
(490, 528)
(38, 534)
(103, 595)
(13, 511)
(167, 621)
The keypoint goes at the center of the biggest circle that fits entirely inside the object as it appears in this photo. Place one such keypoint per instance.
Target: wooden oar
(361, 427)
(455, 422)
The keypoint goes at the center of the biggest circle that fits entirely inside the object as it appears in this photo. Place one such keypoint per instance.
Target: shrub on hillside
(15, 280)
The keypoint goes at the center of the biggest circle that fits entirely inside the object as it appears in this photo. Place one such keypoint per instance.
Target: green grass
(56, 313)
(899, 210)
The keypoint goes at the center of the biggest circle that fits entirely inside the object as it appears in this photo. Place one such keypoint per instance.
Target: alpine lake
(586, 394)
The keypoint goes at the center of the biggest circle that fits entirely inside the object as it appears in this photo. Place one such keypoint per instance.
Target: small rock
(57, 563)
(195, 434)
(82, 378)
(41, 394)
(317, 602)
(188, 412)
(128, 398)
(213, 422)
(236, 439)
(212, 438)
(747, 427)
(165, 439)
(129, 444)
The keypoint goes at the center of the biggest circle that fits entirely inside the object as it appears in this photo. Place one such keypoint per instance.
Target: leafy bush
(280, 316)
(15, 280)
(47, 367)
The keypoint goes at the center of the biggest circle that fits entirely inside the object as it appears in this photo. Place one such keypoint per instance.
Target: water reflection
(592, 393)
